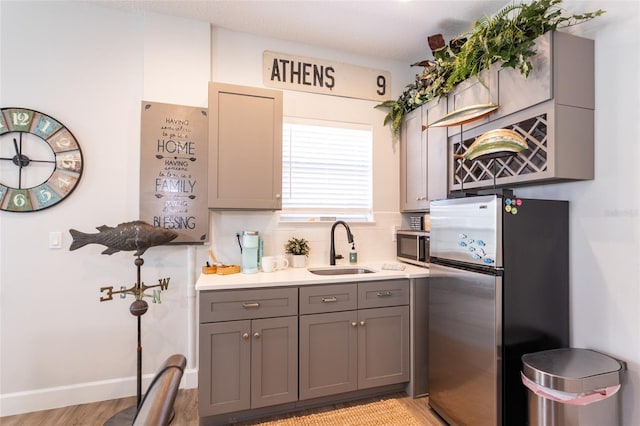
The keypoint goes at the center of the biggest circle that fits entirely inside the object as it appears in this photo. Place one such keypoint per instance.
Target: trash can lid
(571, 369)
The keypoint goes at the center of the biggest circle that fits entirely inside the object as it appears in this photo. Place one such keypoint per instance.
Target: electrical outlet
(55, 240)
(394, 229)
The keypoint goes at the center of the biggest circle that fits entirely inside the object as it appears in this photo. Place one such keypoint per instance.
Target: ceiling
(392, 29)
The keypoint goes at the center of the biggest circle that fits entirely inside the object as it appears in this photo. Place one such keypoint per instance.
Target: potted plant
(299, 249)
(507, 37)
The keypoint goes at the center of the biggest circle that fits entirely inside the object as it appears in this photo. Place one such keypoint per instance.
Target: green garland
(509, 37)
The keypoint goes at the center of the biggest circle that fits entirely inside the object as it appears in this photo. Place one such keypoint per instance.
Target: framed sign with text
(301, 73)
(173, 170)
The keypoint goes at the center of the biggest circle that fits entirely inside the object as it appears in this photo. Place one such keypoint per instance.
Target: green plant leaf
(508, 37)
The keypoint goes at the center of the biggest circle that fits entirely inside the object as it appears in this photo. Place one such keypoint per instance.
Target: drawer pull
(251, 305)
(329, 299)
(384, 293)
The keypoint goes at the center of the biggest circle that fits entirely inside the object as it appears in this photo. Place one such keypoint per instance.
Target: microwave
(413, 247)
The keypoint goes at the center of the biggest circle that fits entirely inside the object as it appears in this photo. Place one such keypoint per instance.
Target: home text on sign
(173, 170)
(305, 74)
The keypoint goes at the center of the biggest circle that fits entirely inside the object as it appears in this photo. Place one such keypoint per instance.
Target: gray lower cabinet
(355, 349)
(328, 354)
(272, 349)
(383, 346)
(247, 363)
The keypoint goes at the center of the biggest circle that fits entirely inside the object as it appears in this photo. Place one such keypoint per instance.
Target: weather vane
(139, 236)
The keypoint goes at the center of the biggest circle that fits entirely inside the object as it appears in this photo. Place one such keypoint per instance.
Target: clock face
(40, 160)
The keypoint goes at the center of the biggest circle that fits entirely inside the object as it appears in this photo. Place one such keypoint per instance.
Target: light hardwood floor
(186, 408)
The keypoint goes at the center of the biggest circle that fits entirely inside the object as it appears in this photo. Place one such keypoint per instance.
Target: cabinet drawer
(376, 294)
(247, 304)
(328, 298)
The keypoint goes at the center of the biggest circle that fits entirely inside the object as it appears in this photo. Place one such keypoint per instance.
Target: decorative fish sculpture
(137, 235)
(494, 143)
(463, 115)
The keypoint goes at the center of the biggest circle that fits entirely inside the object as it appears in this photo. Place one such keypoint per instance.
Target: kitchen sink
(341, 270)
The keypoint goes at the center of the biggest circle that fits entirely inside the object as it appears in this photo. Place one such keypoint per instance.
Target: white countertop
(301, 276)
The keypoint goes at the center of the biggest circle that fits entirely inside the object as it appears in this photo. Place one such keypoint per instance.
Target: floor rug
(384, 412)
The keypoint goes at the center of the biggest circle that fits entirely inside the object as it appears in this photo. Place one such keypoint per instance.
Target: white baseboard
(83, 393)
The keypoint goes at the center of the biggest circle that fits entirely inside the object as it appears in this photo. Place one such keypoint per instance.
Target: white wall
(91, 67)
(237, 59)
(605, 212)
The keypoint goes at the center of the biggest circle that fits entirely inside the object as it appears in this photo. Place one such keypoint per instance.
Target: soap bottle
(353, 254)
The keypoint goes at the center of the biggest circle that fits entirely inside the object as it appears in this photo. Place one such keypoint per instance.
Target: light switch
(55, 240)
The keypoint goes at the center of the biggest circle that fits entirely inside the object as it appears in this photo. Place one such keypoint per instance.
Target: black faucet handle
(339, 256)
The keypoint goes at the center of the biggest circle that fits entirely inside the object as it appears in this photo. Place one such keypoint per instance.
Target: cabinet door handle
(354, 324)
(256, 335)
(362, 323)
(329, 299)
(245, 336)
(384, 293)
(251, 305)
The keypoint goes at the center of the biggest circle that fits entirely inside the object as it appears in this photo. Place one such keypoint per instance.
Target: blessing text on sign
(305, 74)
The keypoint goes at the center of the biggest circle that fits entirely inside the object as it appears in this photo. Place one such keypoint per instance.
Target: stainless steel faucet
(332, 252)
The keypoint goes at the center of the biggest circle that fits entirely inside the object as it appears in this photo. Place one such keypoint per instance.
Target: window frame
(323, 215)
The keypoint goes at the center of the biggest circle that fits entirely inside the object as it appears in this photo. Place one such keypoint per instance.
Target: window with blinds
(326, 171)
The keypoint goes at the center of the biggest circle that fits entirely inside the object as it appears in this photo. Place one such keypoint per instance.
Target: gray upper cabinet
(245, 152)
(552, 109)
(513, 92)
(563, 70)
(413, 163)
(473, 91)
(436, 152)
(505, 87)
(423, 158)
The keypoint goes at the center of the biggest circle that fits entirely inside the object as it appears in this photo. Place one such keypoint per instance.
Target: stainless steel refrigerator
(498, 288)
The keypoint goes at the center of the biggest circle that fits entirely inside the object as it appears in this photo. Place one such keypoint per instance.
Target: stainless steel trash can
(572, 387)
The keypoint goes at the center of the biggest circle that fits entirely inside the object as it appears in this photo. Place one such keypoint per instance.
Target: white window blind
(326, 171)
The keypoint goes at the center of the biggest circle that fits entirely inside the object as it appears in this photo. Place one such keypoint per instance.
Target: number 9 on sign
(382, 85)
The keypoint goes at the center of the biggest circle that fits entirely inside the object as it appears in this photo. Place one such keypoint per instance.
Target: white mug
(269, 264)
(282, 262)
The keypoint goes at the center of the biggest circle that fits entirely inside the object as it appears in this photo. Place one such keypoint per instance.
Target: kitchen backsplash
(373, 241)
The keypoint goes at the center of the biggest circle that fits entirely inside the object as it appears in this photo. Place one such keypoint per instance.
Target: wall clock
(40, 160)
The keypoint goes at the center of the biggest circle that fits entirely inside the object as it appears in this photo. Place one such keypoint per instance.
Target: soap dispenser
(353, 254)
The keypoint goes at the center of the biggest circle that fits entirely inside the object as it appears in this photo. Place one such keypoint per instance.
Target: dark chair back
(156, 407)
